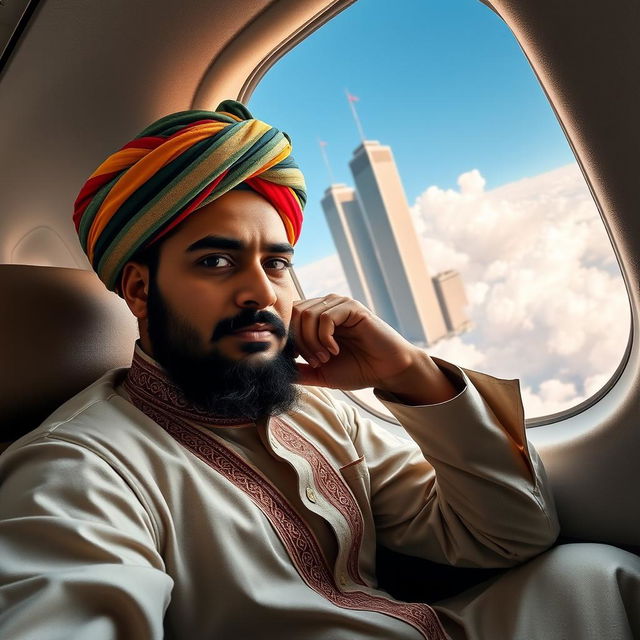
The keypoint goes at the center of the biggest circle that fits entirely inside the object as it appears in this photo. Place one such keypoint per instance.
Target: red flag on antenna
(352, 98)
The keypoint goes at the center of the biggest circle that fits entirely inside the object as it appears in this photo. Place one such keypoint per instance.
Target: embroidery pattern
(330, 484)
(292, 530)
(154, 385)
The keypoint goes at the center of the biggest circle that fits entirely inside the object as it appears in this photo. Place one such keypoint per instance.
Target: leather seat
(60, 329)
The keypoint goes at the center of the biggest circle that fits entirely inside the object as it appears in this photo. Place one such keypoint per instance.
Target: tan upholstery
(60, 329)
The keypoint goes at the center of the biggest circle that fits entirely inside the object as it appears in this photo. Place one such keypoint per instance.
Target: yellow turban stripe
(172, 168)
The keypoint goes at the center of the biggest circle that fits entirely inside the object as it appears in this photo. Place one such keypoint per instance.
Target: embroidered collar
(146, 381)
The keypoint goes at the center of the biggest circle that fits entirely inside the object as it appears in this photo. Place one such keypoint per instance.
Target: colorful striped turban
(175, 166)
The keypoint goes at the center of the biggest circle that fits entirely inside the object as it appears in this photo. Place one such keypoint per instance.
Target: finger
(326, 329)
(296, 331)
(326, 326)
(299, 348)
(344, 312)
(309, 330)
(300, 305)
(302, 325)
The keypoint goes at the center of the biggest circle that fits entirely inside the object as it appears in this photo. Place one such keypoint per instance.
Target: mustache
(246, 318)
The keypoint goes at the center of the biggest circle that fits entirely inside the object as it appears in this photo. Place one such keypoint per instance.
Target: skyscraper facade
(453, 300)
(357, 253)
(395, 244)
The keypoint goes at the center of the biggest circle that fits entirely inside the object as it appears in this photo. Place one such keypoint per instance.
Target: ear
(134, 285)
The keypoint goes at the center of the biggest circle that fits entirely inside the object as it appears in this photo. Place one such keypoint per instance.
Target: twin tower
(381, 255)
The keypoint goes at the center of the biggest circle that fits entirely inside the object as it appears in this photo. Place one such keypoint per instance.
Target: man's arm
(78, 556)
(469, 490)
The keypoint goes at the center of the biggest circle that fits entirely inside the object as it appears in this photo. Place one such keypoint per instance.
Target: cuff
(454, 374)
(486, 415)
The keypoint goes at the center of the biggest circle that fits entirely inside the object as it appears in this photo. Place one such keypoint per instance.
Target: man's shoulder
(96, 415)
(97, 397)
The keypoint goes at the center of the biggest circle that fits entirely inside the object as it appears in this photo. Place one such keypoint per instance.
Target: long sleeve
(468, 489)
(78, 555)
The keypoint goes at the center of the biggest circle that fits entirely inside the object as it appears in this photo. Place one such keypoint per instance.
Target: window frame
(330, 11)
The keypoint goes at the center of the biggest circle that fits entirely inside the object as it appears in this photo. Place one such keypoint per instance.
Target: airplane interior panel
(78, 76)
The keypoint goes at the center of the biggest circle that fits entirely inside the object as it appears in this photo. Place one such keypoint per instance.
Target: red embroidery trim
(292, 530)
(152, 384)
(329, 482)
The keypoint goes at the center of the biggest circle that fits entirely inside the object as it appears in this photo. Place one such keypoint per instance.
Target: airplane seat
(60, 329)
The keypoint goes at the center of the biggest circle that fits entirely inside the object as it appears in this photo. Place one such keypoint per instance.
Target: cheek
(284, 305)
(197, 304)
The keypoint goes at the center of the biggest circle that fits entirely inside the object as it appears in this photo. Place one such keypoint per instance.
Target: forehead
(243, 215)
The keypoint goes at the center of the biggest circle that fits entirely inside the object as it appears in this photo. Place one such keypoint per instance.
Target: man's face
(230, 256)
(220, 304)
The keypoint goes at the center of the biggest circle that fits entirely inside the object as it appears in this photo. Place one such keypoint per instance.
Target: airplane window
(11, 12)
(444, 195)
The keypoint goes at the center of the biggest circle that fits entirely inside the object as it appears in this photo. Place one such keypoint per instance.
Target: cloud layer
(546, 296)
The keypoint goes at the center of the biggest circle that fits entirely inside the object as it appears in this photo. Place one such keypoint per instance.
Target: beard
(221, 386)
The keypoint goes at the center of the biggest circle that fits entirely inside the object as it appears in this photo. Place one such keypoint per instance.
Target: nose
(255, 290)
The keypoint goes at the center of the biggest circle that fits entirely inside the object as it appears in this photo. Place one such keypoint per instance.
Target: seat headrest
(60, 329)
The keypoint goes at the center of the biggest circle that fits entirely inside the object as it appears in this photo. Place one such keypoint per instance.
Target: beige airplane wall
(85, 77)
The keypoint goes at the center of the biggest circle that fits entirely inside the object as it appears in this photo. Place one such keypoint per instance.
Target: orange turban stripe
(171, 169)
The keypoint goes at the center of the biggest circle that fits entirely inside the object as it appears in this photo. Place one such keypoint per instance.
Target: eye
(278, 264)
(215, 261)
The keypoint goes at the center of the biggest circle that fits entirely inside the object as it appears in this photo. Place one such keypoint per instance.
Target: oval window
(444, 195)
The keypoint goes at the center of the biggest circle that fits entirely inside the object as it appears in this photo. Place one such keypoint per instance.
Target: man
(214, 489)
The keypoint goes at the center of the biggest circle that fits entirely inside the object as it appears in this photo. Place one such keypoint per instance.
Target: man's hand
(348, 347)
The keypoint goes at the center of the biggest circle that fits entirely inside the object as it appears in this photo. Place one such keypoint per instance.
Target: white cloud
(471, 182)
(545, 295)
(464, 354)
(552, 396)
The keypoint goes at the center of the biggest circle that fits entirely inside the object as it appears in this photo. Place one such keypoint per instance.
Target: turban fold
(175, 166)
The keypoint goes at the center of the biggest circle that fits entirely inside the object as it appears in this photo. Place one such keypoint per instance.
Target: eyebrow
(221, 242)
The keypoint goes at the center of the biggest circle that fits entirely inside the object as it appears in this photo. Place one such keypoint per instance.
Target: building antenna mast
(351, 99)
(322, 144)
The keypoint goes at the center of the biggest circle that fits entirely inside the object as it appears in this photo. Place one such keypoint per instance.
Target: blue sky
(444, 83)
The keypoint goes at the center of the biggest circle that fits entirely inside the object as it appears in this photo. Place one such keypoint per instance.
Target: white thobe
(123, 519)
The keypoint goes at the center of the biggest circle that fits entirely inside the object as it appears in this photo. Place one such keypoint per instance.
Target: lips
(251, 320)
(255, 332)
(256, 328)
